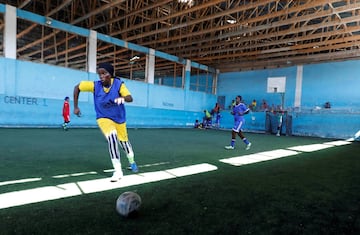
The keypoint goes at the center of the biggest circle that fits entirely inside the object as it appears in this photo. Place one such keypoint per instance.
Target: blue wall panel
(32, 94)
(8, 76)
(164, 97)
(336, 82)
(253, 85)
(195, 101)
(2, 75)
(139, 92)
(47, 83)
(326, 124)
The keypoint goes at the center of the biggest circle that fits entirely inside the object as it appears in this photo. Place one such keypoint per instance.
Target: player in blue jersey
(110, 94)
(238, 110)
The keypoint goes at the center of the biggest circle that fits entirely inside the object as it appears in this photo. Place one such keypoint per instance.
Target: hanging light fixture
(188, 2)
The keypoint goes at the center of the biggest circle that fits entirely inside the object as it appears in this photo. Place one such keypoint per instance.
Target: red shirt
(66, 111)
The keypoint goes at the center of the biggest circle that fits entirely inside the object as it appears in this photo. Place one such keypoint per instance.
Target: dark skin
(233, 134)
(105, 78)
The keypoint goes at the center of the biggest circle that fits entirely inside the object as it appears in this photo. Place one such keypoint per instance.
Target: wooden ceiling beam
(264, 30)
(240, 43)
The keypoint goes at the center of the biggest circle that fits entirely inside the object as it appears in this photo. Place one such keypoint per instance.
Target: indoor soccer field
(57, 182)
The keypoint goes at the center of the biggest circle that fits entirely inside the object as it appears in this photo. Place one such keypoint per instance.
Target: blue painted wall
(32, 94)
(338, 83)
(253, 85)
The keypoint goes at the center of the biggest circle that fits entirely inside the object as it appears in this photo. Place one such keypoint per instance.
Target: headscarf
(108, 67)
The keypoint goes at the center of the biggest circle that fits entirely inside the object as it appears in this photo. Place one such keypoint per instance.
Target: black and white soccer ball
(128, 204)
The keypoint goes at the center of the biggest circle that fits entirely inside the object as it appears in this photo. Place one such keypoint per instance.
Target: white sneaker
(248, 146)
(116, 176)
(277, 134)
(229, 147)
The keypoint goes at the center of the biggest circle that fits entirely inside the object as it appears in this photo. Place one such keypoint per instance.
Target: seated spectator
(264, 106)
(197, 124)
(253, 105)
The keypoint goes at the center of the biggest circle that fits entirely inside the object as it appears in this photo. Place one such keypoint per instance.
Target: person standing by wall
(239, 110)
(66, 113)
(216, 113)
(110, 94)
(216, 109)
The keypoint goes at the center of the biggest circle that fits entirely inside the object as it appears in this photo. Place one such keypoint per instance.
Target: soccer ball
(128, 203)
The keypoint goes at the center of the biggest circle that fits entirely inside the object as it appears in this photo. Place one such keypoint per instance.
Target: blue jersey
(239, 111)
(105, 106)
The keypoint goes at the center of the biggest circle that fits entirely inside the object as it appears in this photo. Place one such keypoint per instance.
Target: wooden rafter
(231, 35)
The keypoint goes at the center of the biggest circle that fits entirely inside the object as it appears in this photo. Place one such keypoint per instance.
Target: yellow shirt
(207, 114)
(89, 87)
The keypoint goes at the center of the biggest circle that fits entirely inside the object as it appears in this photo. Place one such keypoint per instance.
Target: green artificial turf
(309, 193)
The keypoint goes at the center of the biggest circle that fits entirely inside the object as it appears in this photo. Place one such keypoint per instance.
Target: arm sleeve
(124, 91)
(86, 86)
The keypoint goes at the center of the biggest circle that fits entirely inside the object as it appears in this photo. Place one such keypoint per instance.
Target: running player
(238, 110)
(110, 94)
